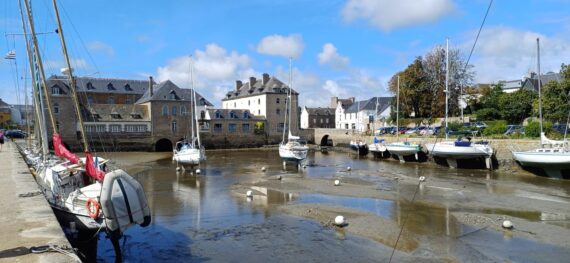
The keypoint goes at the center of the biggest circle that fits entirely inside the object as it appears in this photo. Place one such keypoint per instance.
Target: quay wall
(26, 220)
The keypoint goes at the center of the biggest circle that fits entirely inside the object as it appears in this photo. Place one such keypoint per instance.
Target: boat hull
(293, 154)
(361, 149)
(187, 157)
(449, 150)
(402, 149)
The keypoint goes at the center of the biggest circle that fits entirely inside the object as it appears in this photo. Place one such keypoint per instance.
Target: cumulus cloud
(215, 70)
(278, 45)
(505, 53)
(329, 56)
(334, 89)
(387, 14)
(101, 47)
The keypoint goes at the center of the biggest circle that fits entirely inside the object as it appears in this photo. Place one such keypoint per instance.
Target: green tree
(555, 97)
(516, 106)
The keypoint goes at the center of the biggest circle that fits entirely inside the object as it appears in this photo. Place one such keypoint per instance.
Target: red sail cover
(61, 151)
(93, 171)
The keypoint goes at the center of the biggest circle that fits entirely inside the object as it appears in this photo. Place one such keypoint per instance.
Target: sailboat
(190, 152)
(552, 159)
(458, 149)
(358, 145)
(292, 148)
(377, 146)
(83, 190)
(398, 148)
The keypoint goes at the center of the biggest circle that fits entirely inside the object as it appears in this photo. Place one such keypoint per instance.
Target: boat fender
(93, 208)
(123, 202)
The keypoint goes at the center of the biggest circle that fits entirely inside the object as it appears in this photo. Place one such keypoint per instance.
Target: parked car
(513, 129)
(15, 134)
(411, 131)
(480, 125)
(561, 128)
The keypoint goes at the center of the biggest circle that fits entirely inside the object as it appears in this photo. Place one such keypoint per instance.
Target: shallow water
(197, 218)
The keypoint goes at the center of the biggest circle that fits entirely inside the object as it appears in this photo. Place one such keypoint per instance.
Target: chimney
(265, 79)
(238, 84)
(334, 102)
(251, 82)
(150, 84)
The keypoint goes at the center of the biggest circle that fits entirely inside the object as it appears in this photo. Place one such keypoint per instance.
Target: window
(246, 115)
(174, 111)
(128, 101)
(57, 125)
(202, 102)
(258, 112)
(183, 111)
(321, 121)
(111, 100)
(218, 115)
(55, 90)
(172, 95)
(135, 128)
(235, 105)
(115, 115)
(202, 114)
(248, 102)
(281, 126)
(315, 121)
(354, 126)
(217, 127)
(128, 87)
(164, 110)
(259, 101)
(232, 127)
(327, 120)
(278, 111)
(56, 108)
(95, 128)
(115, 128)
(136, 116)
(233, 115)
(90, 86)
(90, 100)
(174, 126)
(245, 127)
(277, 100)
(110, 86)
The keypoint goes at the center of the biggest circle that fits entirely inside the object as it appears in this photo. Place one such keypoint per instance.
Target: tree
(555, 97)
(412, 87)
(517, 106)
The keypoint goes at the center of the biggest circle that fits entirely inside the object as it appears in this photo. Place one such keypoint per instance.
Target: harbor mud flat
(453, 216)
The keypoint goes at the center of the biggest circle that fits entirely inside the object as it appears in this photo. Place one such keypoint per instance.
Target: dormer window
(202, 101)
(136, 116)
(115, 115)
(95, 115)
(90, 86)
(110, 86)
(128, 87)
(246, 115)
(55, 90)
(218, 115)
(232, 115)
(173, 96)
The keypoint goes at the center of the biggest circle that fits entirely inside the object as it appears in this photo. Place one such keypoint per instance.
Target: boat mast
(38, 73)
(71, 79)
(192, 108)
(195, 120)
(446, 81)
(288, 112)
(398, 110)
(539, 86)
(375, 117)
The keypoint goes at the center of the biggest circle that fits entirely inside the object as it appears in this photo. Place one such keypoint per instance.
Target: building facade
(317, 118)
(266, 98)
(363, 116)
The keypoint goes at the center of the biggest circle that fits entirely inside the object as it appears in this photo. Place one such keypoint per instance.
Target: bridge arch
(163, 145)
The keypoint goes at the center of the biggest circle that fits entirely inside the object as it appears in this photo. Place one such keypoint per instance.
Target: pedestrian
(1, 139)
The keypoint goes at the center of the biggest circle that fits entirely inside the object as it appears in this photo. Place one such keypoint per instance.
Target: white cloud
(98, 46)
(388, 14)
(215, 71)
(334, 89)
(330, 56)
(505, 53)
(277, 45)
(76, 64)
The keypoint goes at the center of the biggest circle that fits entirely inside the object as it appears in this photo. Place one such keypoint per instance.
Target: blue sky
(340, 47)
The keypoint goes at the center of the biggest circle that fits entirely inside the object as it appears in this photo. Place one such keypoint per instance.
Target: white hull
(293, 152)
(543, 158)
(403, 149)
(377, 147)
(190, 156)
(449, 150)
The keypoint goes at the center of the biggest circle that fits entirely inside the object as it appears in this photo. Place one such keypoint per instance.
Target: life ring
(93, 208)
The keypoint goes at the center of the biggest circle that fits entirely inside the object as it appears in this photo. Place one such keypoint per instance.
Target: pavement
(26, 219)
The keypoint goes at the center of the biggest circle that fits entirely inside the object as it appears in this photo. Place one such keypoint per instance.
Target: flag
(10, 55)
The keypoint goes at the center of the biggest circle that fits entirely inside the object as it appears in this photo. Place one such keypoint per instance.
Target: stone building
(317, 118)
(239, 128)
(265, 98)
(5, 114)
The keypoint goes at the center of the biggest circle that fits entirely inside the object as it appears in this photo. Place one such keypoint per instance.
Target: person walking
(1, 139)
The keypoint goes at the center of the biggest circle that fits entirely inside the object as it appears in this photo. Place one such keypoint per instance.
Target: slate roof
(225, 114)
(345, 103)
(272, 86)
(370, 104)
(321, 111)
(102, 85)
(163, 91)
(125, 112)
(4, 104)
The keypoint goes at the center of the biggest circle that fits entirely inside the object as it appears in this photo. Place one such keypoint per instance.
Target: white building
(362, 115)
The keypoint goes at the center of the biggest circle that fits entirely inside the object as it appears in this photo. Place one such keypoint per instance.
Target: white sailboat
(358, 145)
(398, 148)
(190, 152)
(377, 146)
(459, 149)
(552, 156)
(81, 190)
(292, 148)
